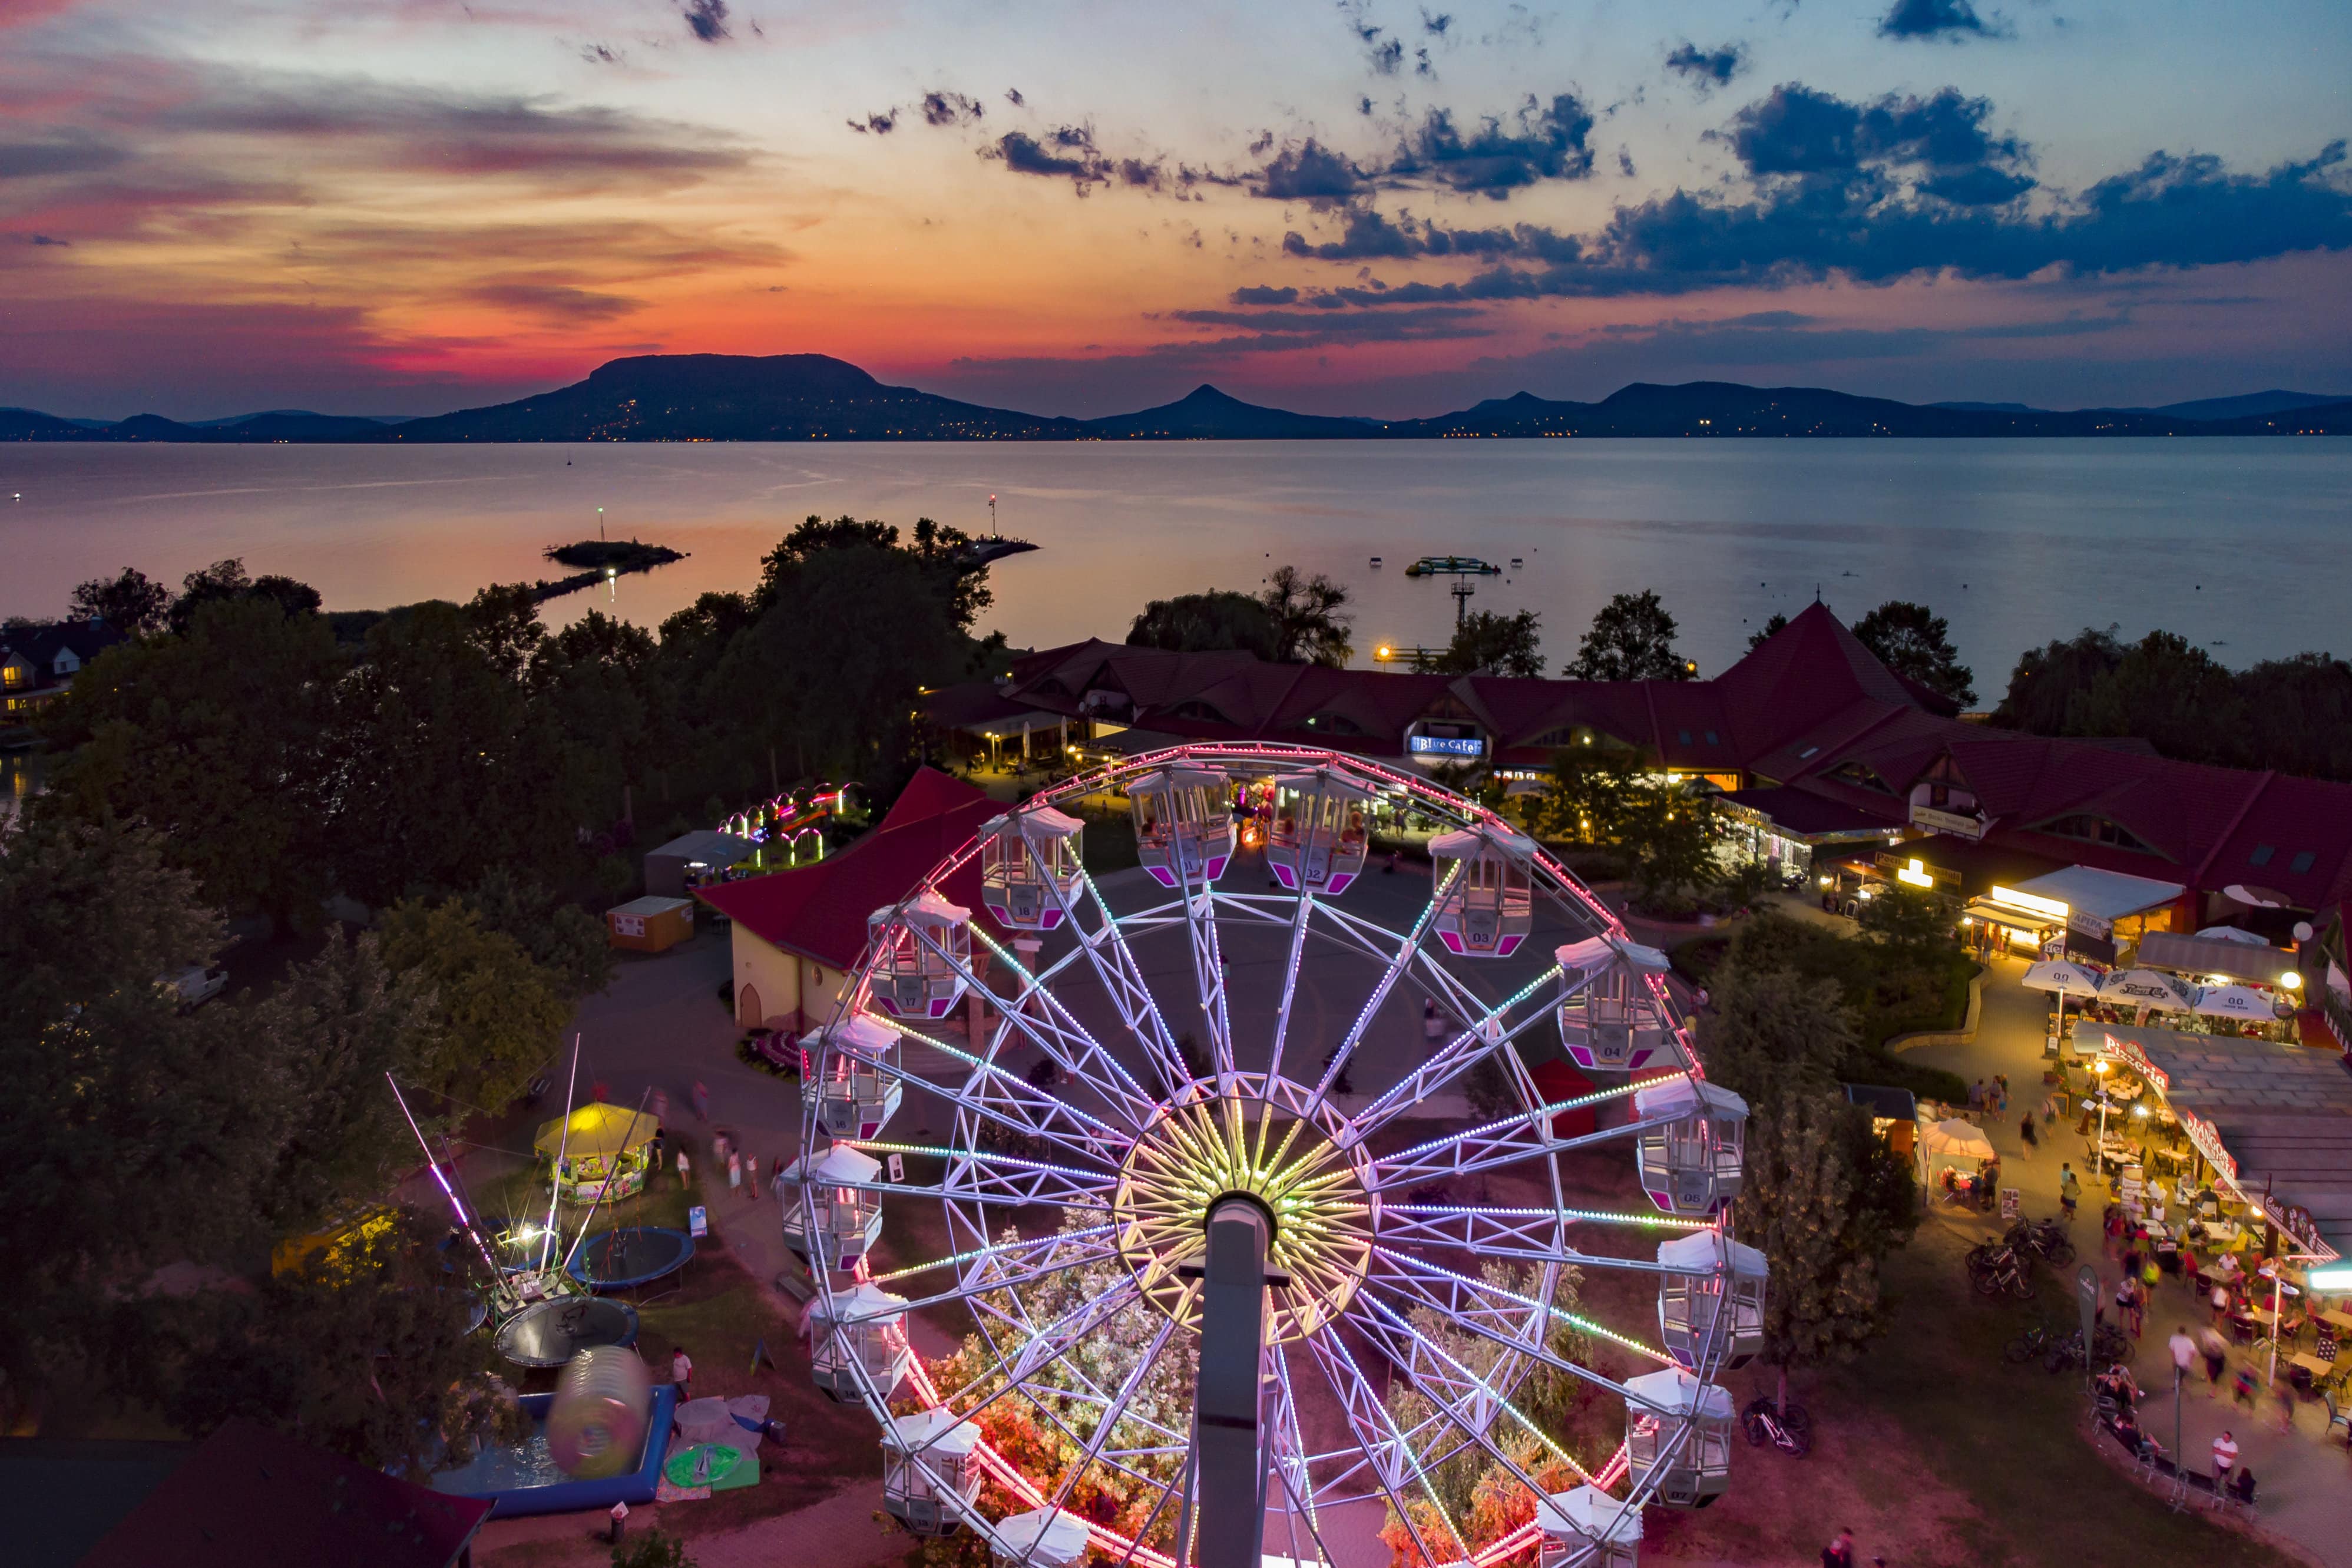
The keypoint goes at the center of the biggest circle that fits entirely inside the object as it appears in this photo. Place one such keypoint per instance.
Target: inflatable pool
(523, 1478)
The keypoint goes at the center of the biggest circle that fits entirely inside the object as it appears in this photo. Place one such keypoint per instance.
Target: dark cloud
(52, 240)
(1310, 171)
(1798, 131)
(1625, 161)
(1269, 331)
(1437, 26)
(600, 55)
(1539, 141)
(67, 152)
(1012, 96)
(1263, 295)
(1383, 53)
(877, 124)
(1706, 69)
(707, 20)
(1367, 234)
(1951, 19)
(1061, 156)
(562, 304)
(944, 108)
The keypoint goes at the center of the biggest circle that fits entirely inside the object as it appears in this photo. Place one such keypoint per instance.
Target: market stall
(598, 1151)
(1951, 1146)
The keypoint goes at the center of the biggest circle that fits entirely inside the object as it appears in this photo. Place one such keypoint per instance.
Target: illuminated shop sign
(1445, 745)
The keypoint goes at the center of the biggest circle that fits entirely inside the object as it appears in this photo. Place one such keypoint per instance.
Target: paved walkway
(2303, 1492)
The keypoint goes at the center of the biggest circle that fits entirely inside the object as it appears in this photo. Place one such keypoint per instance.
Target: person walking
(2241, 1386)
(2184, 1353)
(2221, 1301)
(2026, 1137)
(2216, 1351)
(2283, 1391)
(1839, 1553)
(2070, 1188)
(2049, 1110)
(734, 1173)
(751, 1179)
(701, 1101)
(681, 1373)
(685, 1169)
(2127, 1301)
(1977, 1095)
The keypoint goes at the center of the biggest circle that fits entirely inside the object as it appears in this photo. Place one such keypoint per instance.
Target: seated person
(2228, 1267)
(2116, 1384)
(2125, 1426)
(2241, 1486)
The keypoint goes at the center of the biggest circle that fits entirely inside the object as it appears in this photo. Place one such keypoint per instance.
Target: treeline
(462, 772)
(2290, 714)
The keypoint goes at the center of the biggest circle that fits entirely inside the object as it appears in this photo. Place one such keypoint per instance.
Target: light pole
(2100, 1067)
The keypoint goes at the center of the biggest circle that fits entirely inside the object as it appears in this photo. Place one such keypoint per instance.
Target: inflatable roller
(596, 1426)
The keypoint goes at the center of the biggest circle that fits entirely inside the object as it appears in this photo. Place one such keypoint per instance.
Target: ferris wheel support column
(1228, 1435)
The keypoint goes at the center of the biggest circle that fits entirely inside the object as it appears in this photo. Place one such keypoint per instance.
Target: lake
(2240, 544)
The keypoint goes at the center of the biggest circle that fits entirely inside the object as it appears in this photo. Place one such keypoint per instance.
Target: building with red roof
(1816, 745)
(796, 933)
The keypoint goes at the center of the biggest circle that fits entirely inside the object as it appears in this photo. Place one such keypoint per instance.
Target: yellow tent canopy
(597, 1132)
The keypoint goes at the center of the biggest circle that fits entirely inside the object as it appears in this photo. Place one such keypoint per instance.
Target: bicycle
(1788, 1429)
(2008, 1271)
(2031, 1345)
(2046, 1238)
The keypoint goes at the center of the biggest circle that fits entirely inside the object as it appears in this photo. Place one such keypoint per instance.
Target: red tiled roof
(248, 1495)
(819, 912)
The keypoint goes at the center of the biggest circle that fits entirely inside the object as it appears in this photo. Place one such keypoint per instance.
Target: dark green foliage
(131, 602)
(214, 737)
(1632, 638)
(1310, 626)
(226, 580)
(2290, 714)
(1489, 644)
(1914, 642)
(1757, 638)
(1212, 622)
(565, 941)
(651, 1549)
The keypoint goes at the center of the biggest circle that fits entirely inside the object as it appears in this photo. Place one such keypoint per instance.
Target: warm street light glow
(2291, 981)
(1383, 652)
(1916, 875)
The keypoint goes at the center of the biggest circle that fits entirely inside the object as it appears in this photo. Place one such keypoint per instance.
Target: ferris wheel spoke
(1209, 980)
(1407, 1346)
(1391, 1455)
(1489, 1033)
(1522, 1135)
(1287, 1443)
(983, 1176)
(1026, 1276)
(1389, 973)
(1122, 980)
(1111, 1414)
(1025, 1108)
(1520, 1235)
(1305, 908)
(1042, 1346)
(1477, 1303)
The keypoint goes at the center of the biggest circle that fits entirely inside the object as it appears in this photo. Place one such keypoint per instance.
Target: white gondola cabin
(848, 1217)
(1588, 1529)
(930, 1470)
(922, 951)
(1691, 1162)
(1485, 893)
(1183, 824)
(1711, 1300)
(1678, 1435)
(857, 1334)
(1042, 1538)
(1029, 867)
(1321, 832)
(1609, 1020)
(858, 1095)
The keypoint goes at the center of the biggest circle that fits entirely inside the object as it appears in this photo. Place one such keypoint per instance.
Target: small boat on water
(1451, 566)
(1376, 560)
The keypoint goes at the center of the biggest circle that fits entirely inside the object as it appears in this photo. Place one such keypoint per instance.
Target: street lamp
(2100, 1067)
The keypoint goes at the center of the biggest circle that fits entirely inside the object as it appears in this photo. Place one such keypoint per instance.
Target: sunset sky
(387, 206)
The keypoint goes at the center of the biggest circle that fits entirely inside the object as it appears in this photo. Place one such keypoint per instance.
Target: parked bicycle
(2004, 1271)
(2045, 1238)
(2108, 1346)
(2033, 1344)
(1788, 1429)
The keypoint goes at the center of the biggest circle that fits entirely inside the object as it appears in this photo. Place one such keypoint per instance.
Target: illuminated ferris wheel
(1199, 1265)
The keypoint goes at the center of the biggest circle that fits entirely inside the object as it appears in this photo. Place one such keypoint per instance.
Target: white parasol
(2146, 988)
(2233, 1002)
(2233, 934)
(2063, 977)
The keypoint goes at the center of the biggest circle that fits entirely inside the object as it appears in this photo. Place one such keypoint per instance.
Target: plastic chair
(2335, 1417)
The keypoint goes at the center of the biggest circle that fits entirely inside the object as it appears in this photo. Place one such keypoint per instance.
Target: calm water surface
(2240, 544)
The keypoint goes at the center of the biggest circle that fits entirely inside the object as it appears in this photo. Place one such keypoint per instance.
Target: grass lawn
(1936, 1451)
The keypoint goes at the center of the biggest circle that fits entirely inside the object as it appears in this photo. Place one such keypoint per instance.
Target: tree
(1915, 643)
(492, 1015)
(364, 1350)
(568, 944)
(131, 602)
(598, 679)
(1212, 622)
(943, 552)
(1309, 626)
(214, 737)
(652, 1549)
(1489, 644)
(443, 765)
(1769, 1024)
(1771, 629)
(1589, 794)
(1911, 920)
(1632, 638)
(1673, 837)
(226, 580)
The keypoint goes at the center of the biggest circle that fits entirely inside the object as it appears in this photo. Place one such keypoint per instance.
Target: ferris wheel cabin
(1183, 824)
(1678, 1436)
(930, 1470)
(858, 1333)
(1485, 902)
(1610, 1021)
(1321, 832)
(1042, 1538)
(923, 951)
(1029, 867)
(1690, 1161)
(858, 1095)
(848, 1218)
(1711, 1300)
(1588, 1529)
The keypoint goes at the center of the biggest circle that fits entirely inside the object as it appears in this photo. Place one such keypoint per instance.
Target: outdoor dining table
(2311, 1364)
(2339, 1320)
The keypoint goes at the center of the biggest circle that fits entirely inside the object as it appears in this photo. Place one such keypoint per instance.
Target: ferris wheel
(1199, 1264)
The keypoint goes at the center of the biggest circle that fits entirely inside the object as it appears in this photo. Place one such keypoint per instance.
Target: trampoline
(631, 1256)
(547, 1334)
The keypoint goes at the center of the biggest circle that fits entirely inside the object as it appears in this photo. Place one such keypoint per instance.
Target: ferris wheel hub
(1205, 1153)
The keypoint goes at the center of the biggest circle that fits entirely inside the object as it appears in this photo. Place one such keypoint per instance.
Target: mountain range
(814, 397)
